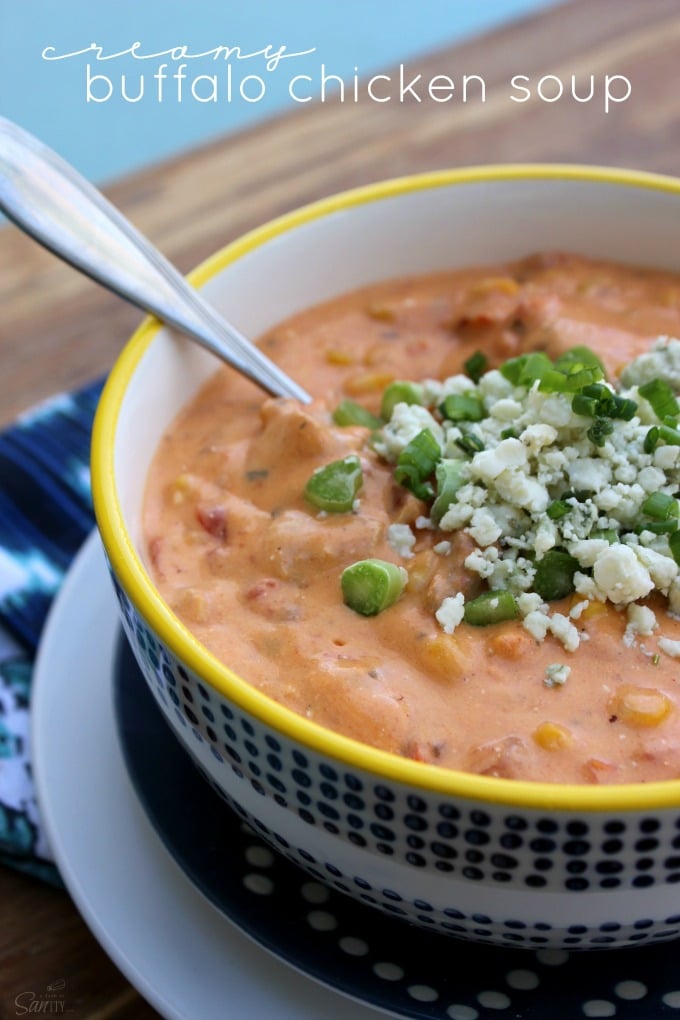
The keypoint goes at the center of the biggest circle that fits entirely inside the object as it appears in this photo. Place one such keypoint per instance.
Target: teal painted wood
(129, 124)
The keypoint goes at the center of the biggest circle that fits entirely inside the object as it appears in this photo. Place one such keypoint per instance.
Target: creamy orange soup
(254, 570)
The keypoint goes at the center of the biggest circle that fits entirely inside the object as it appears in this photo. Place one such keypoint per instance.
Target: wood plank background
(58, 330)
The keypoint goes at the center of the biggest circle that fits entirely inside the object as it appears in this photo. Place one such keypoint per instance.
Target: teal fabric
(45, 515)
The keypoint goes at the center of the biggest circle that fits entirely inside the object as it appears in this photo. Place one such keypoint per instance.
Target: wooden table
(58, 330)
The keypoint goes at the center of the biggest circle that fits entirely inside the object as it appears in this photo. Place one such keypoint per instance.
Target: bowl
(494, 860)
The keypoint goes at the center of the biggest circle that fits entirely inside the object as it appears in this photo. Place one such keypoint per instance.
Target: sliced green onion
(668, 435)
(509, 433)
(416, 463)
(449, 478)
(525, 369)
(623, 408)
(599, 430)
(475, 366)
(462, 407)
(558, 508)
(553, 381)
(660, 506)
(610, 535)
(491, 607)
(579, 357)
(334, 487)
(597, 390)
(399, 392)
(536, 366)
(348, 412)
(661, 397)
(470, 443)
(370, 586)
(554, 577)
(575, 380)
(573, 370)
(658, 527)
(586, 406)
(578, 494)
(674, 545)
(651, 439)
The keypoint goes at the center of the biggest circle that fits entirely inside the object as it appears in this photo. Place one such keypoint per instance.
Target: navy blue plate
(352, 948)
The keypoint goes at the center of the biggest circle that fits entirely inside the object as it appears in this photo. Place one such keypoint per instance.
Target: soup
(319, 553)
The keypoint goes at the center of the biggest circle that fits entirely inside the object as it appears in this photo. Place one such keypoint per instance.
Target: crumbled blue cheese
(401, 539)
(661, 362)
(641, 623)
(564, 630)
(669, 647)
(579, 608)
(620, 575)
(556, 674)
(535, 450)
(484, 528)
(537, 624)
(406, 422)
(423, 523)
(450, 612)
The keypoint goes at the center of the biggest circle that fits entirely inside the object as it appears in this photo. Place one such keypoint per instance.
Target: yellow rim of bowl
(134, 578)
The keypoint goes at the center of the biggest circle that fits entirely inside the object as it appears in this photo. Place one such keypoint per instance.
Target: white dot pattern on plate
(314, 892)
(354, 946)
(630, 990)
(259, 856)
(494, 1000)
(523, 980)
(262, 885)
(322, 920)
(598, 1008)
(423, 993)
(388, 971)
(462, 1013)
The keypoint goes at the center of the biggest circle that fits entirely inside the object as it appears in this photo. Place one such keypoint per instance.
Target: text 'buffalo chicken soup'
(465, 550)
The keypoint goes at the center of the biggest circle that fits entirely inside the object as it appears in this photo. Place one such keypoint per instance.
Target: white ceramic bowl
(483, 858)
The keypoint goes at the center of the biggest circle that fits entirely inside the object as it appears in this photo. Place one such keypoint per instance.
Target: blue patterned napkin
(45, 515)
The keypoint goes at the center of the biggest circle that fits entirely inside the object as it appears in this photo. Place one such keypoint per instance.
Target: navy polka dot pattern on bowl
(379, 960)
(470, 846)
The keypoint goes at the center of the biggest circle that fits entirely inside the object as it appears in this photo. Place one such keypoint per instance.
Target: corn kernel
(441, 656)
(420, 570)
(552, 737)
(181, 488)
(368, 382)
(192, 605)
(640, 706)
(382, 313)
(338, 357)
(504, 284)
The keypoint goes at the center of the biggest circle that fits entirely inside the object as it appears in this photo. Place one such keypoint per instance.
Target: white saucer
(183, 956)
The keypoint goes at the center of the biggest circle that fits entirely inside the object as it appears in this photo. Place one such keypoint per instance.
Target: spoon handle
(57, 207)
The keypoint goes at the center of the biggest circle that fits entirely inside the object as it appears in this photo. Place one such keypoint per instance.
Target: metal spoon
(56, 206)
